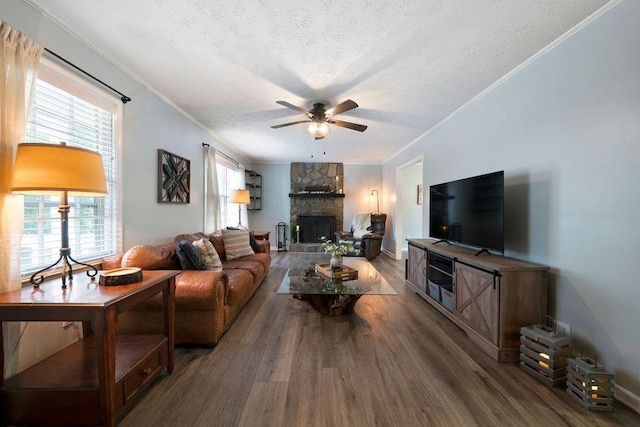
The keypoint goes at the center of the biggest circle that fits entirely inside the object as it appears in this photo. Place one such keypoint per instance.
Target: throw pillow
(252, 240)
(253, 243)
(236, 243)
(208, 252)
(190, 258)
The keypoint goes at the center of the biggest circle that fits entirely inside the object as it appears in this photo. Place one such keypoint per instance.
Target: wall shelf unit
(253, 183)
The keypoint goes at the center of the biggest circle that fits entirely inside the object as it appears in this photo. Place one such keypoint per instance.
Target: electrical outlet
(563, 328)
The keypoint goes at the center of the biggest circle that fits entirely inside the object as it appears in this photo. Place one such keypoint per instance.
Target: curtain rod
(124, 98)
(204, 144)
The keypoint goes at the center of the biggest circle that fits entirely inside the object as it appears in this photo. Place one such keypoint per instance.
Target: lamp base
(65, 257)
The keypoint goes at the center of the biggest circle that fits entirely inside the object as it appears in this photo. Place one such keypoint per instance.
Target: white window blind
(65, 110)
(228, 180)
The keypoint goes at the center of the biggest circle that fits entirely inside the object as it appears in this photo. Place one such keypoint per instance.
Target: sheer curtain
(243, 208)
(212, 218)
(19, 61)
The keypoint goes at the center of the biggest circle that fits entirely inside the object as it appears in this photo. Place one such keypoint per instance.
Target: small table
(93, 380)
(329, 296)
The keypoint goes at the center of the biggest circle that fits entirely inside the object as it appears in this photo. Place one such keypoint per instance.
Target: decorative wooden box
(544, 353)
(590, 384)
(347, 273)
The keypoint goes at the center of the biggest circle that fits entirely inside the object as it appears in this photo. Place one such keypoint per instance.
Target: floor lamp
(51, 169)
(377, 200)
(241, 197)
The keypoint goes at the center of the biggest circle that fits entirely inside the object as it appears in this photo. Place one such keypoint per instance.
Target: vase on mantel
(336, 263)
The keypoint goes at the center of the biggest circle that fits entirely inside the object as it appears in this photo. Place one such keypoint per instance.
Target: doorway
(409, 208)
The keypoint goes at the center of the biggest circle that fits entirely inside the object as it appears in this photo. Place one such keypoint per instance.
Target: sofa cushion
(189, 257)
(240, 287)
(236, 243)
(218, 243)
(208, 252)
(112, 261)
(149, 257)
(254, 267)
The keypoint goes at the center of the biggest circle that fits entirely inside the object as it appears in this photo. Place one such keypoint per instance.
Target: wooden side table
(261, 235)
(93, 380)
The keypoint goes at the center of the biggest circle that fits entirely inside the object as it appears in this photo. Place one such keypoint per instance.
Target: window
(228, 180)
(67, 109)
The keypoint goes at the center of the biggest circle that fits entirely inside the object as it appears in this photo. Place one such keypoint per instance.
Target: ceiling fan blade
(341, 108)
(349, 125)
(293, 107)
(289, 124)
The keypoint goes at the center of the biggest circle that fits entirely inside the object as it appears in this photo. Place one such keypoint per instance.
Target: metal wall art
(174, 177)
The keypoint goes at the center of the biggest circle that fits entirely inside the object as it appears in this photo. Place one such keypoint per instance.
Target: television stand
(490, 298)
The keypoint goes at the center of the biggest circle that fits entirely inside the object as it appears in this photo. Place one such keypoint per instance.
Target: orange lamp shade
(49, 169)
(240, 196)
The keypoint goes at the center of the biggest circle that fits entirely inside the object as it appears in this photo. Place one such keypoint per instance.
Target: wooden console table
(93, 380)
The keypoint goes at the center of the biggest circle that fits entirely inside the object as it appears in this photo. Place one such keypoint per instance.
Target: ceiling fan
(319, 116)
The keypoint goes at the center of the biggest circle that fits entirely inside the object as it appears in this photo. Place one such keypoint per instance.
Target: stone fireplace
(317, 199)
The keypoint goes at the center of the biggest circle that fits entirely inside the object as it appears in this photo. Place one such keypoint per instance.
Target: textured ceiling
(407, 63)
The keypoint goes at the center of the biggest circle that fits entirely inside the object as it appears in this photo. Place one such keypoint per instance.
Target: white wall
(359, 180)
(276, 184)
(566, 130)
(411, 215)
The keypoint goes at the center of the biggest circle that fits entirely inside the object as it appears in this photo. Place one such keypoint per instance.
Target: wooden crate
(590, 384)
(544, 353)
(347, 273)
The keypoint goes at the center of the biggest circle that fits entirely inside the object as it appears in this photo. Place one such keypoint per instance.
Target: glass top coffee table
(333, 293)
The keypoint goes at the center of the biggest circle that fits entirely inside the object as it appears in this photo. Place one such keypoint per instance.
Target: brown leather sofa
(207, 302)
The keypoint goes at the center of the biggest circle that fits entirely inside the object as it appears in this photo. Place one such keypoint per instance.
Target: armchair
(366, 234)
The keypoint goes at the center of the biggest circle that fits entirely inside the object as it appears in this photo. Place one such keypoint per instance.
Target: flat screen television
(469, 211)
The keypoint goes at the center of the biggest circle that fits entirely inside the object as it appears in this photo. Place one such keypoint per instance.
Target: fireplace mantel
(316, 195)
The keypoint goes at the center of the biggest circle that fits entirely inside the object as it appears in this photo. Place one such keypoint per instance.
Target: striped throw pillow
(208, 252)
(236, 243)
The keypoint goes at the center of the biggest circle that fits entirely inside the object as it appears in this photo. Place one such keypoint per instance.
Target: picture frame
(419, 193)
(174, 178)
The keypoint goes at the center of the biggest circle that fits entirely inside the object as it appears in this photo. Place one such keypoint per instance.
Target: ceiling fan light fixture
(318, 118)
(318, 129)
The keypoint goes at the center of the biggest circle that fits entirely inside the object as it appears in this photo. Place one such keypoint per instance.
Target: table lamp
(241, 197)
(50, 169)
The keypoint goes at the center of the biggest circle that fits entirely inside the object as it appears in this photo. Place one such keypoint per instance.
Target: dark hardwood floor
(394, 362)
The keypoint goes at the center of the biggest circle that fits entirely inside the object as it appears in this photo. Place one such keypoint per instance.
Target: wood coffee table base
(331, 305)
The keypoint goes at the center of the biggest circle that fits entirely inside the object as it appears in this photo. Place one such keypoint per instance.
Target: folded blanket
(360, 224)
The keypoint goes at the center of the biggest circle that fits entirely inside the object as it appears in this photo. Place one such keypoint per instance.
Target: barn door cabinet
(417, 268)
(493, 296)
